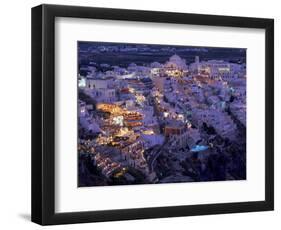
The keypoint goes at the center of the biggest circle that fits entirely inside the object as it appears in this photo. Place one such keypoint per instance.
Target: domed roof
(176, 60)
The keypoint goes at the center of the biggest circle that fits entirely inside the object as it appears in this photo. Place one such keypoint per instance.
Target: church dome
(176, 61)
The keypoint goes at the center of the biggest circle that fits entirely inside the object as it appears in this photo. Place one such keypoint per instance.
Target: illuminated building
(103, 95)
(176, 66)
(217, 68)
(110, 108)
(106, 165)
(132, 119)
(82, 82)
(118, 120)
(178, 134)
(174, 128)
(101, 90)
(133, 154)
(94, 83)
(139, 84)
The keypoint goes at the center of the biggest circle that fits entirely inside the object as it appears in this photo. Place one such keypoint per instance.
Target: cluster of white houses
(150, 105)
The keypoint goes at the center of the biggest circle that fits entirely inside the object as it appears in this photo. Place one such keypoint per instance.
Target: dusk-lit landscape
(151, 114)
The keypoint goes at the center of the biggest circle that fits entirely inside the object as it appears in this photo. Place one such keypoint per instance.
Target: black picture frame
(43, 114)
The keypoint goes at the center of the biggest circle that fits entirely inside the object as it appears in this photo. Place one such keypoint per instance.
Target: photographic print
(152, 114)
(118, 110)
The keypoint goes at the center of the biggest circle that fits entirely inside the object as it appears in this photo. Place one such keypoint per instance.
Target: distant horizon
(158, 52)
(91, 43)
